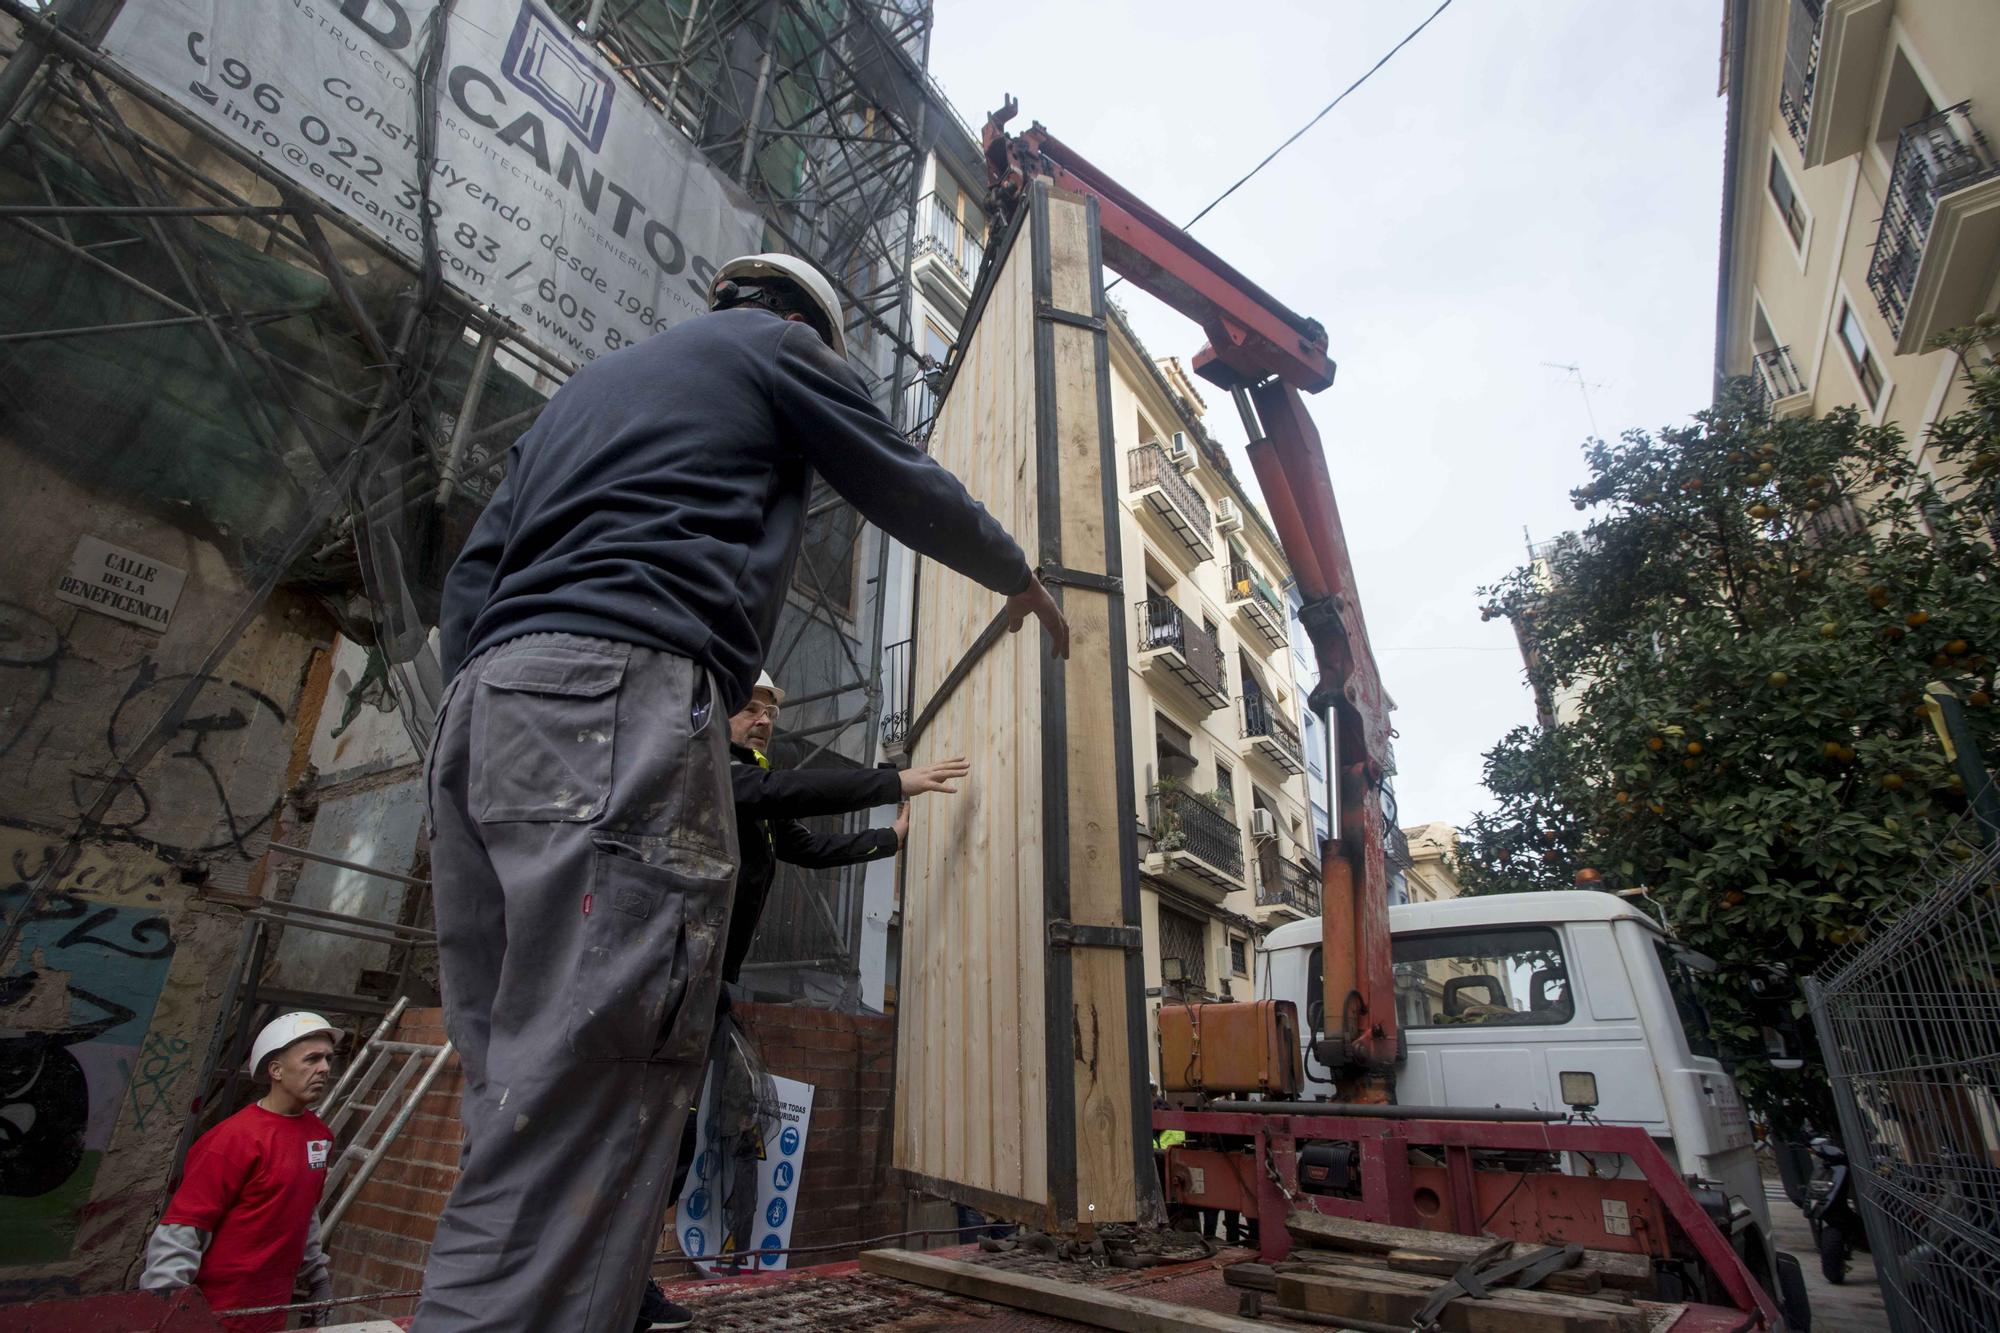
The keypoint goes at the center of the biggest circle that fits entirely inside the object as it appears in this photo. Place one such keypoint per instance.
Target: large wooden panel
(1021, 1044)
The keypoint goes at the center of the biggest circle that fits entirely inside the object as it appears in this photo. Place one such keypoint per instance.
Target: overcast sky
(1528, 181)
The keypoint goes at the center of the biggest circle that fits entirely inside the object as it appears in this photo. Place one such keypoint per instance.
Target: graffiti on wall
(77, 996)
(186, 798)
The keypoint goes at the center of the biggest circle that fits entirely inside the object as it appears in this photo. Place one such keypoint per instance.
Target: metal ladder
(394, 1101)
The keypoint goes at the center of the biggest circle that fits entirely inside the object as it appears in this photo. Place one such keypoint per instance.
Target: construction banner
(561, 198)
(765, 1162)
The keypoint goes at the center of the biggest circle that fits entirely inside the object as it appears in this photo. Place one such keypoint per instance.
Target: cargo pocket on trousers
(545, 723)
(647, 972)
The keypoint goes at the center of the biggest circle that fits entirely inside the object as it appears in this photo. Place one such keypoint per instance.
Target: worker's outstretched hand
(902, 825)
(1034, 600)
(934, 777)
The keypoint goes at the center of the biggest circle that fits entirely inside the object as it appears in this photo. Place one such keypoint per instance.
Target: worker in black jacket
(770, 803)
(611, 608)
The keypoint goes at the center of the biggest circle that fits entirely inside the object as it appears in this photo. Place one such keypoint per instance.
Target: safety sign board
(772, 1158)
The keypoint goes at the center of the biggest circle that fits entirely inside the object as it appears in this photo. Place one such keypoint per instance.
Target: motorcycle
(1831, 1209)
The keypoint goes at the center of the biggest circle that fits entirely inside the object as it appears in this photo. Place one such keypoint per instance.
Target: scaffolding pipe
(324, 859)
(468, 411)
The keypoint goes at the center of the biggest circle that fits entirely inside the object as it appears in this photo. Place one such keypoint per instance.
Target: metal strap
(1081, 578)
(953, 678)
(1044, 310)
(1050, 573)
(1073, 935)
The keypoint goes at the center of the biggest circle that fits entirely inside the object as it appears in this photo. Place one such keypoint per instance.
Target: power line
(1322, 114)
(1301, 131)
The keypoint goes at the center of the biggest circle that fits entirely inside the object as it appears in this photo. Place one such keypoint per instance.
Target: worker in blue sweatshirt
(611, 608)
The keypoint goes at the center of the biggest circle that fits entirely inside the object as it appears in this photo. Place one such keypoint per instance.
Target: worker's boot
(657, 1312)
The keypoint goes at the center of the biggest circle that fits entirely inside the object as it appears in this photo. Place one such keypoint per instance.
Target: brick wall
(844, 1195)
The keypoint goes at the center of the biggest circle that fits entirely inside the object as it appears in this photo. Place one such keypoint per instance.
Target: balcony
(1172, 501)
(1290, 886)
(1801, 67)
(1175, 647)
(1940, 228)
(1833, 59)
(896, 702)
(1775, 383)
(1196, 846)
(944, 241)
(1272, 737)
(1257, 605)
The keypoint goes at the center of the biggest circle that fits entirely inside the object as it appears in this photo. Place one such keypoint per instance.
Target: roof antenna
(1575, 376)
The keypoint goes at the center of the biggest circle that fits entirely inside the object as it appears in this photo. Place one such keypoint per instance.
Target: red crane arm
(1266, 355)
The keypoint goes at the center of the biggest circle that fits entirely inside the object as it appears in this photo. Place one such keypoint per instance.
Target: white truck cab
(1500, 997)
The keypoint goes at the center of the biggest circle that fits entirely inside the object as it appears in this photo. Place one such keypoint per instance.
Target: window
(1504, 976)
(1866, 368)
(1225, 785)
(1173, 749)
(1185, 938)
(1687, 1002)
(1905, 101)
(1314, 747)
(1787, 200)
(1239, 955)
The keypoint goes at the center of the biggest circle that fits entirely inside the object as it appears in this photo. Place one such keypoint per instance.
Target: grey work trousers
(583, 857)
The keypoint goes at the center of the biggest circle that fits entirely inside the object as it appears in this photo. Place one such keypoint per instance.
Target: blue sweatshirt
(660, 499)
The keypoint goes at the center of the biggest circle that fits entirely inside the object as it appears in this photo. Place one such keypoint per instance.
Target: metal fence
(1909, 1021)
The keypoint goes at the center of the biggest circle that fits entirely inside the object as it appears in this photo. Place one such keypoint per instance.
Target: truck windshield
(1510, 975)
(1687, 1003)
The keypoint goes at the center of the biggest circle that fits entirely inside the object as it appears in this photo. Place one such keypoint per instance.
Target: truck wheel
(1833, 1254)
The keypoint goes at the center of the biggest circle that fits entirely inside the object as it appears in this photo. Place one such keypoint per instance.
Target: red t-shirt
(254, 1183)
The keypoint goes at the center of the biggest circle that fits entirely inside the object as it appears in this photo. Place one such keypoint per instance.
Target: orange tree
(1748, 625)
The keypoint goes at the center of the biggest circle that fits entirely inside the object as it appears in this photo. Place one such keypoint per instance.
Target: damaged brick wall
(844, 1196)
(111, 990)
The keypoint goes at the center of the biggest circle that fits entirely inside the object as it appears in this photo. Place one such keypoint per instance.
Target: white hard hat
(282, 1031)
(802, 275)
(765, 683)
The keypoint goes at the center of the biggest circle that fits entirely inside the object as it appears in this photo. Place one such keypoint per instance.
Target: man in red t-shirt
(244, 1223)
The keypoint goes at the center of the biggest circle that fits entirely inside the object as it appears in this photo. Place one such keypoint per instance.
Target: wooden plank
(1397, 1298)
(1003, 1100)
(1094, 1306)
(1323, 1231)
(1577, 1281)
(1102, 1067)
(1251, 1277)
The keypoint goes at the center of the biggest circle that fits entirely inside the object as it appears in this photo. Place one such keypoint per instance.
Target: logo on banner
(542, 63)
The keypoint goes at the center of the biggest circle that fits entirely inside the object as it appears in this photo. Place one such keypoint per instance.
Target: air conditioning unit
(1227, 517)
(1182, 452)
(1263, 825)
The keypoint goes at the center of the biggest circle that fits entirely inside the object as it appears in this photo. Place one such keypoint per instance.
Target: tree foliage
(1746, 628)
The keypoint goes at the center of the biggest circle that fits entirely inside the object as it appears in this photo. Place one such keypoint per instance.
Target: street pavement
(1855, 1306)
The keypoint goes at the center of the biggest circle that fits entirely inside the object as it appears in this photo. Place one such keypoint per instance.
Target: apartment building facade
(1861, 204)
(1227, 846)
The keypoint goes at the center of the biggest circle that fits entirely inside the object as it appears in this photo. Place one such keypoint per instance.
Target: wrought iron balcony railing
(1774, 377)
(1291, 884)
(1183, 822)
(896, 685)
(1251, 593)
(1192, 652)
(1934, 156)
(1795, 95)
(1172, 496)
(940, 233)
(1272, 734)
